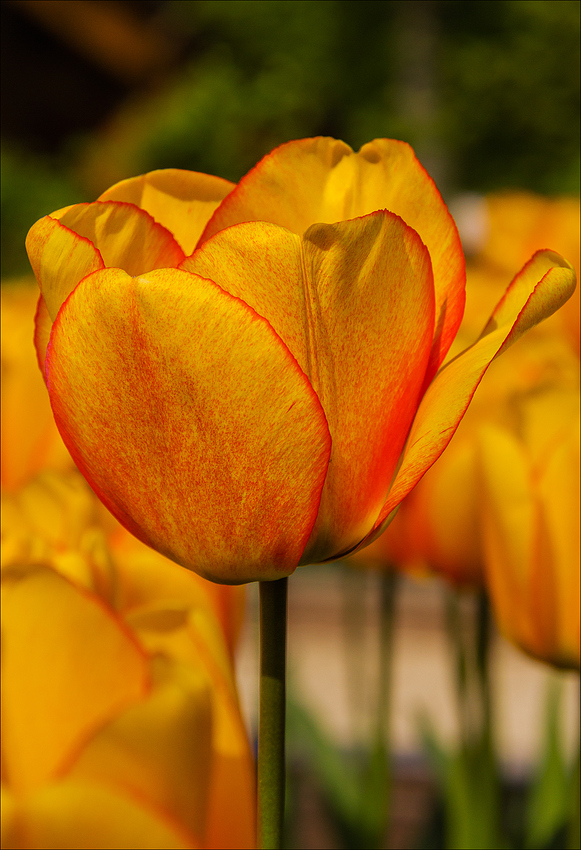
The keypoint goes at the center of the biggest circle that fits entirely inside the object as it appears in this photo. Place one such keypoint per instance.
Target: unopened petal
(182, 201)
(191, 420)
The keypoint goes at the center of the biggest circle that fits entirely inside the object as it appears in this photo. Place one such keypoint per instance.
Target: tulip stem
(271, 731)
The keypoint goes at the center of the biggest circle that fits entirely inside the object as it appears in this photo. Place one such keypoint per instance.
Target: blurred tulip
(270, 399)
(121, 725)
(30, 439)
(437, 527)
(530, 508)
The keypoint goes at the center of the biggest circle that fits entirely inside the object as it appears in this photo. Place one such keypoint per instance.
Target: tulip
(30, 439)
(269, 399)
(121, 725)
(437, 528)
(530, 521)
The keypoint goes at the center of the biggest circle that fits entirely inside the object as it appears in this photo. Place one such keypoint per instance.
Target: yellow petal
(68, 666)
(59, 258)
(509, 531)
(160, 748)
(191, 421)
(75, 815)
(353, 302)
(542, 286)
(127, 237)
(182, 201)
(30, 439)
(322, 180)
(197, 641)
(558, 490)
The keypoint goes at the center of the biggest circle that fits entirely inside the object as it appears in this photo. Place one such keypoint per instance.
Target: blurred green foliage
(487, 93)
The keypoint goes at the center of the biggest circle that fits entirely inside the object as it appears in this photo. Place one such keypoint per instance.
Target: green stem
(271, 766)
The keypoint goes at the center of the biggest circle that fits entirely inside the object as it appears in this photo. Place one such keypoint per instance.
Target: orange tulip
(121, 725)
(268, 400)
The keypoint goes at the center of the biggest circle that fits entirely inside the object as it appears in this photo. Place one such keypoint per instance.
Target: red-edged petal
(127, 237)
(322, 180)
(182, 201)
(60, 258)
(191, 420)
(353, 301)
(540, 288)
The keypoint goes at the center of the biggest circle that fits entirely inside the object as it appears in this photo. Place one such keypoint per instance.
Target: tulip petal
(160, 748)
(75, 815)
(59, 258)
(42, 330)
(321, 179)
(510, 520)
(353, 302)
(182, 201)
(191, 421)
(127, 237)
(68, 666)
(539, 289)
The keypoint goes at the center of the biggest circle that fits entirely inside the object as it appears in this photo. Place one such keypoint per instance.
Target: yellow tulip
(268, 400)
(530, 524)
(121, 725)
(30, 439)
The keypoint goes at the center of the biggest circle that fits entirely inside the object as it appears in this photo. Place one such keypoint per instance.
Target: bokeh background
(487, 93)
(94, 91)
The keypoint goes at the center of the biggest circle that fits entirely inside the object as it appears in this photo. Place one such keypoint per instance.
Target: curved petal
(322, 180)
(182, 201)
(197, 641)
(60, 258)
(353, 302)
(539, 289)
(75, 815)
(66, 652)
(30, 439)
(126, 236)
(191, 421)
(42, 331)
(160, 748)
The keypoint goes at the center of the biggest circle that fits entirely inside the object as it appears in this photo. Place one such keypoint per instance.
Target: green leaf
(550, 792)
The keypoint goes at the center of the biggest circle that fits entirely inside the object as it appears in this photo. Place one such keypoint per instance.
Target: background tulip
(121, 725)
(436, 528)
(30, 439)
(248, 411)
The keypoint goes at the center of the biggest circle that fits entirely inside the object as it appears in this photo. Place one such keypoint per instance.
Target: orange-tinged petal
(321, 179)
(182, 201)
(353, 302)
(42, 329)
(126, 236)
(191, 420)
(542, 286)
(160, 748)
(76, 815)
(68, 666)
(60, 258)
